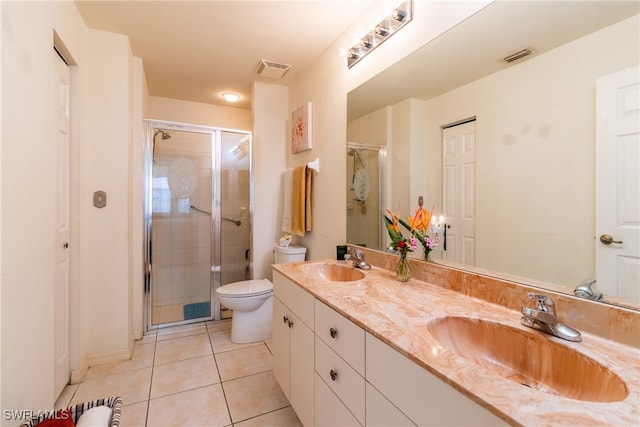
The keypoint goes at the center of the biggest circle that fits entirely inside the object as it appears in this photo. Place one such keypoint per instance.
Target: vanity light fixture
(230, 97)
(398, 18)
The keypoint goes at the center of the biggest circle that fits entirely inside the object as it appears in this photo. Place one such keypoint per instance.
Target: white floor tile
(180, 378)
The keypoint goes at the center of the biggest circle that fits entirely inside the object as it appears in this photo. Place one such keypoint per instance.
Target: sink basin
(529, 358)
(335, 272)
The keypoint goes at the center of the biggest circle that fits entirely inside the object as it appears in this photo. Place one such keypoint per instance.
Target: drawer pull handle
(285, 319)
(333, 332)
(333, 374)
(290, 323)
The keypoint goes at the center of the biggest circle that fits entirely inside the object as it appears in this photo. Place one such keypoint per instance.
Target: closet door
(459, 191)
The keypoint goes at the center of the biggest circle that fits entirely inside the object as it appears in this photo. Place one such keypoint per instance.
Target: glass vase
(427, 255)
(403, 270)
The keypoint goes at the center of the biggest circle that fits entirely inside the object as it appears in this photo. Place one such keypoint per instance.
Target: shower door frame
(215, 209)
(382, 185)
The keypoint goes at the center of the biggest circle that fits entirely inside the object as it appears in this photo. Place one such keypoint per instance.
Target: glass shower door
(235, 212)
(180, 247)
(198, 198)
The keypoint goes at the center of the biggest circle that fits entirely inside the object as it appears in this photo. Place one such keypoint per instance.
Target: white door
(61, 294)
(459, 191)
(618, 184)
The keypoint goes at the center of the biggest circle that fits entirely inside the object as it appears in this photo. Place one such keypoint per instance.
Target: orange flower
(393, 226)
(420, 221)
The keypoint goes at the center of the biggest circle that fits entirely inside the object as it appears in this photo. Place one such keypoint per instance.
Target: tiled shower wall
(181, 236)
(234, 194)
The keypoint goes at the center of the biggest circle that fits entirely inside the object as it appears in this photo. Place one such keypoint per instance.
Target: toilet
(252, 301)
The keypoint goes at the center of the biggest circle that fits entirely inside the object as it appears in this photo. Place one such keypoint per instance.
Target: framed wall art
(301, 129)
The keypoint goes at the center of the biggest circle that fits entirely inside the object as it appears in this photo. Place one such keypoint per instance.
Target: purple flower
(414, 243)
(430, 243)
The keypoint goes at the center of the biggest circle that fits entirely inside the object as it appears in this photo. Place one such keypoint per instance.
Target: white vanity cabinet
(293, 344)
(422, 397)
(334, 373)
(339, 365)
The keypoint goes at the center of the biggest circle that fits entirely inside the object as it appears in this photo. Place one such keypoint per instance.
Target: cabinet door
(423, 397)
(280, 346)
(382, 413)
(301, 372)
(329, 409)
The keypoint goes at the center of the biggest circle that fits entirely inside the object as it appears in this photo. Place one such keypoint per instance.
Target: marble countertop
(399, 314)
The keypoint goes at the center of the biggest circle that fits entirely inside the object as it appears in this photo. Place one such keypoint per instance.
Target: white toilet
(252, 301)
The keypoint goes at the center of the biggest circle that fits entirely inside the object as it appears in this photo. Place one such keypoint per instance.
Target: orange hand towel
(307, 206)
(298, 201)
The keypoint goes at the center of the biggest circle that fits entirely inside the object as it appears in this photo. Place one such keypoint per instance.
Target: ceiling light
(396, 19)
(231, 97)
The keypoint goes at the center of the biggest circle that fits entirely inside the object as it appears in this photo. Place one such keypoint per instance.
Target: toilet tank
(290, 254)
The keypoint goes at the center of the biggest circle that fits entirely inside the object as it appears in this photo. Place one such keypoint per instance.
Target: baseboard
(78, 375)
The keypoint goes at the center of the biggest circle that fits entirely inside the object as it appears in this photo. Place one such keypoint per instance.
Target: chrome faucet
(357, 259)
(544, 318)
(586, 289)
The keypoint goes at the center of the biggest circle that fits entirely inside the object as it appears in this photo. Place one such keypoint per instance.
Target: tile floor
(190, 376)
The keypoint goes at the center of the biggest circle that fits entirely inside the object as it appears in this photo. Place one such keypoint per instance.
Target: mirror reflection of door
(458, 191)
(618, 185)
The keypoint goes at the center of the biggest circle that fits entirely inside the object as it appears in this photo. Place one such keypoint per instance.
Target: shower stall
(365, 194)
(197, 220)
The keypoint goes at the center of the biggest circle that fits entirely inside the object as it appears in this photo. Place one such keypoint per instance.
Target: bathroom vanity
(355, 347)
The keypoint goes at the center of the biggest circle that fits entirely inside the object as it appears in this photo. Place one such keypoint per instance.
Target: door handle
(607, 240)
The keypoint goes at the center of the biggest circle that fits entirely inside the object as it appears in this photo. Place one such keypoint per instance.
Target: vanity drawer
(294, 297)
(345, 382)
(341, 335)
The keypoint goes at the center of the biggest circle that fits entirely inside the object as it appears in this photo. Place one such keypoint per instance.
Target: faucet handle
(543, 302)
(359, 254)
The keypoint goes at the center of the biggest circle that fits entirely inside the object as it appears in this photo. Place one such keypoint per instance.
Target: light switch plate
(100, 199)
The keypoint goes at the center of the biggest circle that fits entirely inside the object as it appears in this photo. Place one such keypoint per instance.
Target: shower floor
(175, 313)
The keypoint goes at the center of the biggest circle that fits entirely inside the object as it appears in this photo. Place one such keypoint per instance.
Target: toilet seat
(246, 288)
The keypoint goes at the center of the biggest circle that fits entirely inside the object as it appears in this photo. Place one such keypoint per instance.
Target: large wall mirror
(530, 190)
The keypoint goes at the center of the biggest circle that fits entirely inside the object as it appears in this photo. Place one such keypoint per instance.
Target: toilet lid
(246, 288)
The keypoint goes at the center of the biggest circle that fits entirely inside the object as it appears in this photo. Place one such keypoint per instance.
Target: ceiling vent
(517, 55)
(272, 69)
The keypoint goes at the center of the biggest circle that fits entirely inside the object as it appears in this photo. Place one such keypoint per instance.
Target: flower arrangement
(418, 226)
(399, 243)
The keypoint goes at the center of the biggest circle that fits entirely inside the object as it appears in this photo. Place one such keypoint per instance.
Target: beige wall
(197, 113)
(102, 99)
(270, 115)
